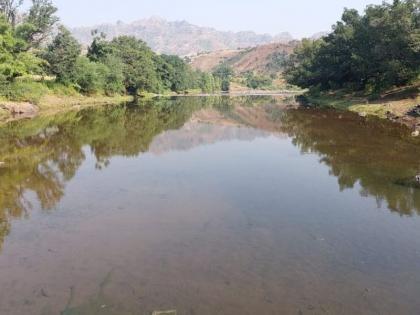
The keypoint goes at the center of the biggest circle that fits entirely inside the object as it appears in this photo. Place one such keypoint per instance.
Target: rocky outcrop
(20, 108)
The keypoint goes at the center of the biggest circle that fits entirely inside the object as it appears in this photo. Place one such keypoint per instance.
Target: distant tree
(38, 23)
(176, 73)
(225, 73)
(207, 83)
(100, 47)
(62, 55)
(256, 81)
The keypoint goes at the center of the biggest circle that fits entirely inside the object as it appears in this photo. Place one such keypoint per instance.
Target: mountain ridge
(180, 37)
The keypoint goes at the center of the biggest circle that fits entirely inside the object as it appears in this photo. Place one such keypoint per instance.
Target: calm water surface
(208, 206)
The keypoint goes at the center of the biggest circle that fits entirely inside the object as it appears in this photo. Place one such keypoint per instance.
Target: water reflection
(375, 154)
(41, 155)
(225, 205)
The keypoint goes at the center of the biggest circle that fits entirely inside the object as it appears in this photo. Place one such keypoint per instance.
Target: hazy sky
(299, 17)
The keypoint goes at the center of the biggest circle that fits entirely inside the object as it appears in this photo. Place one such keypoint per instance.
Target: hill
(180, 37)
(263, 59)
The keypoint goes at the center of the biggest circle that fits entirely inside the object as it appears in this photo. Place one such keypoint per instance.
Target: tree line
(369, 52)
(33, 44)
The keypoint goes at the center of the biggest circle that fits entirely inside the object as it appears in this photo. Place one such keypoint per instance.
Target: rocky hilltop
(180, 37)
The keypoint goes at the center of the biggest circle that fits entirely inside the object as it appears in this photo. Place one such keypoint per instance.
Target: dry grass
(4, 114)
(56, 103)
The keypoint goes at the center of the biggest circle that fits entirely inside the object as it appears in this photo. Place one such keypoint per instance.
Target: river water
(209, 206)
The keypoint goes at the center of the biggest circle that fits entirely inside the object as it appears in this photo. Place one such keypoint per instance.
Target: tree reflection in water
(374, 153)
(41, 155)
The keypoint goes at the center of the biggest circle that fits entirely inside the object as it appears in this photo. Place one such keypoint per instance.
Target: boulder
(20, 108)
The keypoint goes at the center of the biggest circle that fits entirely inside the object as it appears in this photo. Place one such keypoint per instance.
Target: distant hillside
(180, 37)
(265, 59)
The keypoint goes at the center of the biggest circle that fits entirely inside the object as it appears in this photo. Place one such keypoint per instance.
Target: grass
(57, 103)
(4, 114)
(51, 97)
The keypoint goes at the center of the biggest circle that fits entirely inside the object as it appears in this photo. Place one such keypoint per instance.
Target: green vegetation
(224, 73)
(33, 64)
(258, 81)
(372, 52)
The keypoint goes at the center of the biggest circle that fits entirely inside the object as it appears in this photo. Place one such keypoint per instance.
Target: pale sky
(299, 17)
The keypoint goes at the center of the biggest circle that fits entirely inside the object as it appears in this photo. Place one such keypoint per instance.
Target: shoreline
(54, 104)
(396, 105)
(51, 104)
(394, 109)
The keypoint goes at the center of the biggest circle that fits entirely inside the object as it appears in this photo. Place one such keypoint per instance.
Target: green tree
(90, 76)
(62, 55)
(370, 52)
(114, 78)
(256, 81)
(13, 61)
(38, 23)
(225, 73)
(138, 65)
(100, 47)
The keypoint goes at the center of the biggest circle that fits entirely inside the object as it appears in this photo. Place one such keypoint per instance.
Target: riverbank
(396, 105)
(51, 104)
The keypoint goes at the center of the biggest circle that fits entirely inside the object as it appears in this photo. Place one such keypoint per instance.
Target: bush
(61, 89)
(114, 76)
(24, 91)
(254, 81)
(89, 76)
(94, 77)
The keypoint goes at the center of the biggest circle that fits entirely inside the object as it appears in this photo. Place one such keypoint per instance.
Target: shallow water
(208, 206)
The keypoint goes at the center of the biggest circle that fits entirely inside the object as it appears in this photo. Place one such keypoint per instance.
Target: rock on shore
(20, 108)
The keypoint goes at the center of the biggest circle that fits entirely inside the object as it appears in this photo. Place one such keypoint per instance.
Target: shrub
(25, 91)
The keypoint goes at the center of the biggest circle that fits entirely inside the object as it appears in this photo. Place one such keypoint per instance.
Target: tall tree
(38, 23)
(62, 55)
(224, 72)
(371, 52)
(14, 62)
(138, 66)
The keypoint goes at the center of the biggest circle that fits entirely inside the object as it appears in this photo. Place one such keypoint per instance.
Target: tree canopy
(33, 42)
(372, 51)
